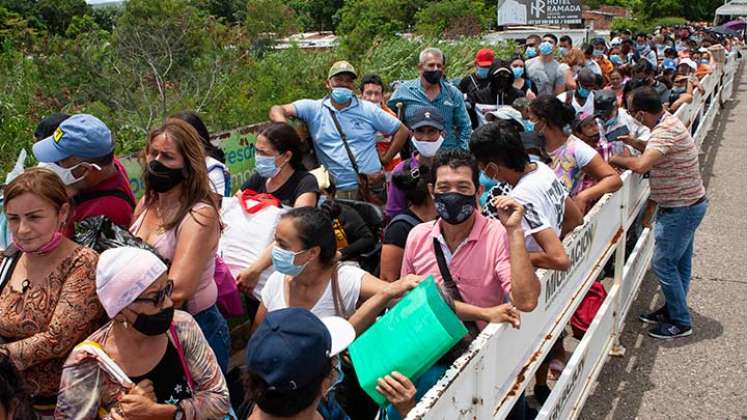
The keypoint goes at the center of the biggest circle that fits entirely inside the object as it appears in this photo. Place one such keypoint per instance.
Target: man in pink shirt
(487, 261)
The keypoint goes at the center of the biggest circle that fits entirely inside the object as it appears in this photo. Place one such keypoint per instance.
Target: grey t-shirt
(546, 75)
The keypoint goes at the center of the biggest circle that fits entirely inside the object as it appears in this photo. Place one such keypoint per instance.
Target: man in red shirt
(81, 152)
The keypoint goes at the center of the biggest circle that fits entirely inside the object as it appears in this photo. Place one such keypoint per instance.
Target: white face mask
(66, 174)
(428, 148)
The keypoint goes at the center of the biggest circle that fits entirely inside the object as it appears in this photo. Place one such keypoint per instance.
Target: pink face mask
(44, 249)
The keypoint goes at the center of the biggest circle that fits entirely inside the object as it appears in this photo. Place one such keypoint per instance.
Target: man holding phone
(616, 125)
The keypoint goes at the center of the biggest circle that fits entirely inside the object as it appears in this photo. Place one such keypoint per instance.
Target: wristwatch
(179, 413)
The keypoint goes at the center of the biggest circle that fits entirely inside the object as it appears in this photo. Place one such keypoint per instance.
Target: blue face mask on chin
(282, 260)
(341, 95)
(583, 92)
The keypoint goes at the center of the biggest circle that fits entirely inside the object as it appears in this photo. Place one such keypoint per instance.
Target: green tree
(317, 15)
(453, 18)
(57, 14)
(15, 30)
(106, 17)
(230, 11)
(363, 22)
(267, 20)
(81, 24)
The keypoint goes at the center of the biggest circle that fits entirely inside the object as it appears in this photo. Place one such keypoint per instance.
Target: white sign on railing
(487, 380)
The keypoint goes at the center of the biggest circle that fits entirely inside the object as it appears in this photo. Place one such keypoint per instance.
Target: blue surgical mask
(583, 92)
(597, 53)
(616, 59)
(266, 166)
(282, 259)
(482, 72)
(518, 72)
(612, 121)
(528, 126)
(705, 61)
(563, 51)
(341, 95)
(531, 52)
(546, 48)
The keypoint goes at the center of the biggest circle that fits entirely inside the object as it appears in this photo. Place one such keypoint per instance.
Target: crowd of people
(475, 182)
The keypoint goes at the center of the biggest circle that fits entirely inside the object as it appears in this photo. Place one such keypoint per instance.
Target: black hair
(196, 122)
(499, 142)
(285, 404)
(566, 38)
(627, 41)
(629, 87)
(13, 391)
(455, 158)
(586, 75)
(553, 111)
(48, 125)
(641, 35)
(371, 79)
(515, 57)
(599, 81)
(588, 49)
(314, 228)
(414, 183)
(534, 36)
(549, 35)
(103, 160)
(283, 137)
(646, 99)
(644, 67)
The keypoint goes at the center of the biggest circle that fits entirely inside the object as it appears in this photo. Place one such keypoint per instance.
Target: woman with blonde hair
(47, 285)
(570, 65)
(178, 216)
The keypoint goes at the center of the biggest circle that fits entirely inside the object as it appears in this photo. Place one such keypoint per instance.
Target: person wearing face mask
(278, 169)
(681, 93)
(500, 92)
(47, 290)
(344, 131)
(643, 47)
(599, 57)
(80, 150)
(571, 158)
(150, 361)
(480, 78)
(616, 124)
(525, 85)
(431, 89)
(308, 274)
(531, 46)
(544, 70)
(427, 138)
(178, 216)
(582, 98)
(550, 212)
(671, 159)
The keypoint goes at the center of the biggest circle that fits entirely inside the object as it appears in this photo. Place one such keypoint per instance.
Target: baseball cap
(485, 57)
(48, 125)
(506, 112)
(289, 349)
(123, 274)
(669, 64)
(341, 67)
(604, 102)
(427, 116)
(583, 119)
(81, 135)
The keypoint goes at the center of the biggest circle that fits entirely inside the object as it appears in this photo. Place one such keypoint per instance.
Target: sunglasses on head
(160, 296)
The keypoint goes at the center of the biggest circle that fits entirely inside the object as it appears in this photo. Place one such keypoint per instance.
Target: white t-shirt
(216, 175)
(543, 197)
(587, 107)
(349, 278)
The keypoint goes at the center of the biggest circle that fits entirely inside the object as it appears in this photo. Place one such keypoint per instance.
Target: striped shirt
(675, 178)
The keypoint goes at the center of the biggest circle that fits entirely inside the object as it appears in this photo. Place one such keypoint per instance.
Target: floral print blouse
(41, 325)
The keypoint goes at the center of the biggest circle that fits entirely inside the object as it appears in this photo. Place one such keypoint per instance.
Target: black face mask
(161, 178)
(433, 76)
(454, 208)
(155, 324)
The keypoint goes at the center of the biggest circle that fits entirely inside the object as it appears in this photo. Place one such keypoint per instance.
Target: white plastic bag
(245, 236)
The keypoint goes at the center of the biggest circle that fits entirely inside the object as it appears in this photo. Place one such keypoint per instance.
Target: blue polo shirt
(360, 121)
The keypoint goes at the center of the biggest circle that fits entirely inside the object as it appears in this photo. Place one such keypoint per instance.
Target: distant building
(309, 41)
(602, 18)
(105, 3)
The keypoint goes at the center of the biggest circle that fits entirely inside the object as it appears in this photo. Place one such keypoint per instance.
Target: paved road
(703, 376)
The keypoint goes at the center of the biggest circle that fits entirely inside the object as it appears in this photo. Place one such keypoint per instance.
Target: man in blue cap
(290, 362)
(81, 152)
